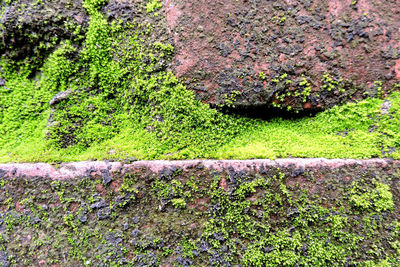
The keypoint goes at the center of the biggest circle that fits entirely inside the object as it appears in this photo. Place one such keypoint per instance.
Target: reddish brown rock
(298, 54)
(292, 54)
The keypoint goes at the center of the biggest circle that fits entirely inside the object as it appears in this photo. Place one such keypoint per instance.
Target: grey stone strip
(107, 169)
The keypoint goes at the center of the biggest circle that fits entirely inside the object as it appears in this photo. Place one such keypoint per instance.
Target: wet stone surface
(296, 55)
(233, 213)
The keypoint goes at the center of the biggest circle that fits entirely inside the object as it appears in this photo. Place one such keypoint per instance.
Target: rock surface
(304, 212)
(31, 28)
(293, 54)
(297, 54)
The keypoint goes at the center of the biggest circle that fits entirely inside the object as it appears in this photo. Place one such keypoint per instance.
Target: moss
(256, 219)
(152, 5)
(121, 102)
(378, 198)
(178, 203)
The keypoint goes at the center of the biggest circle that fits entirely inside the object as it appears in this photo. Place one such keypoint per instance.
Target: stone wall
(290, 212)
(294, 55)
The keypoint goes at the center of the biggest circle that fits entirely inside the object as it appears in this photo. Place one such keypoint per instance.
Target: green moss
(152, 5)
(331, 84)
(378, 198)
(306, 88)
(178, 203)
(256, 220)
(122, 103)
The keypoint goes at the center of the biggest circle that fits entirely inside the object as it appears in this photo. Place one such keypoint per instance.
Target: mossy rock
(261, 213)
(296, 56)
(111, 73)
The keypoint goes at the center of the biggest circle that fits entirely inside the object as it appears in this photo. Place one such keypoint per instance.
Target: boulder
(295, 55)
(33, 28)
(292, 54)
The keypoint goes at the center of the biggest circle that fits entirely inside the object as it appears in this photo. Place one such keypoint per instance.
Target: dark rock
(167, 173)
(297, 172)
(58, 98)
(135, 233)
(90, 171)
(27, 24)
(195, 253)
(130, 160)
(221, 54)
(219, 236)
(4, 262)
(3, 173)
(82, 218)
(106, 176)
(104, 213)
(99, 204)
(61, 96)
(203, 246)
(268, 249)
(148, 259)
(122, 201)
(391, 53)
(35, 220)
(184, 262)
(113, 239)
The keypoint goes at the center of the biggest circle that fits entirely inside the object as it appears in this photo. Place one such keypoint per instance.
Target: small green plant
(178, 203)
(378, 197)
(262, 75)
(152, 5)
(379, 88)
(119, 101)
(229, 100)
(306, 88)
(331, 84)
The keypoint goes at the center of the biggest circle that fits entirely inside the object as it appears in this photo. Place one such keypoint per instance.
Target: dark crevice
(268, 113)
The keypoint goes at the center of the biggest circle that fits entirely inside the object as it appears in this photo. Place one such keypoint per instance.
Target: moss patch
(108, 95)
(195, 217)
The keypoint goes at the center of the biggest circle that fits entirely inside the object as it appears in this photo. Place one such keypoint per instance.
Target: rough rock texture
(223, 46)
(31, 28)
(292, 54)
(292, 212)
(35, 28)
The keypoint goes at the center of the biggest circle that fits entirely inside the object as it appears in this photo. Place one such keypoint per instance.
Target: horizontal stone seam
(73, 170)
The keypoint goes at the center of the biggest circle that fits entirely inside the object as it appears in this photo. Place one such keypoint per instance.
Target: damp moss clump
(378, 197)
(116, 85)
(107, 94)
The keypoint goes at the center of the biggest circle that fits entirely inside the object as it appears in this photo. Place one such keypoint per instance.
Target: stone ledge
(91, 168)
